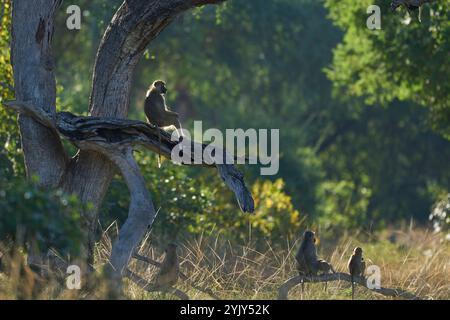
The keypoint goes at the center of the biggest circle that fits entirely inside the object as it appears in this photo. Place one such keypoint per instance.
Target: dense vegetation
(363, 117)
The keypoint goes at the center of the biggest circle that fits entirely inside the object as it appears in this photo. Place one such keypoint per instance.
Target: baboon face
(310, 236)
(357, 251)
(160, 86)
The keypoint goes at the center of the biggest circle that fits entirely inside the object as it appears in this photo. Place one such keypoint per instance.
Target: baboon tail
(353, 288)
(159, 149)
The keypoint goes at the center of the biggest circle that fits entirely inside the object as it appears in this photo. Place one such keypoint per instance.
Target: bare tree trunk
(32, 33)
(35, 82)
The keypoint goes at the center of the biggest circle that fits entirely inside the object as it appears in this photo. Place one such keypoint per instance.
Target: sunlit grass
(414, 260)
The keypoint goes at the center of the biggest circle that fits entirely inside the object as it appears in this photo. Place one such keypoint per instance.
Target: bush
(440, 216)
(32, 215)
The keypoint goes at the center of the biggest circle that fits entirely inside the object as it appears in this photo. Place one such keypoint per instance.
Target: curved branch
(107, 135)
(141, 212)
(283, 291)
(120, 133)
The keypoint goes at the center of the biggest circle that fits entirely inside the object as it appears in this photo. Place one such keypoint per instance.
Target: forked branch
(108, 135)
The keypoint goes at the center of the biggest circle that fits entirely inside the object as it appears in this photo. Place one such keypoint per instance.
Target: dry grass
(414, 260)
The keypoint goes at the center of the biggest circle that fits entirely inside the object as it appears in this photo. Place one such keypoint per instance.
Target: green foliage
(34, 216)
(275, 216)
(404, 61)
(179, 199)
(193, 206)
(357, 147)
(10, 157)
(345, 205)
(440, 216)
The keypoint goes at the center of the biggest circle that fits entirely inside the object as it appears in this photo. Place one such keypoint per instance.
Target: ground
(414, 259)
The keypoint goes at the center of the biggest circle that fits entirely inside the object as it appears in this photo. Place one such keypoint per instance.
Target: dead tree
(106, 138)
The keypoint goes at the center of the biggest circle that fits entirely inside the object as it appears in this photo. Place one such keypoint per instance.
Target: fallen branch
(283, 291)
(102, 134)
(181, 274)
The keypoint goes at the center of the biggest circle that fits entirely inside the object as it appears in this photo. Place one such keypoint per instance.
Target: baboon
(168, 274)
(307, 262)
(158, 113)
(306, 255)
(156, 109)
(356, 266)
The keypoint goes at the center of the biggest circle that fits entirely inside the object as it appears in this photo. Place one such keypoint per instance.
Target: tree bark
(34, 81)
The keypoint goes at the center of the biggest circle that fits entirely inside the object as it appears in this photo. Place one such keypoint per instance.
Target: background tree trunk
(34, 81)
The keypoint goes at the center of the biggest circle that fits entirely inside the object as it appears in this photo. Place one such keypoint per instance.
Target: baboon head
(309, 236)
(160, 86)
(357, 251)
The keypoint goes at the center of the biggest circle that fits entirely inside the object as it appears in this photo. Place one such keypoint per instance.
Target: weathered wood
(34, 81)
(107, 135)
(283, 291)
